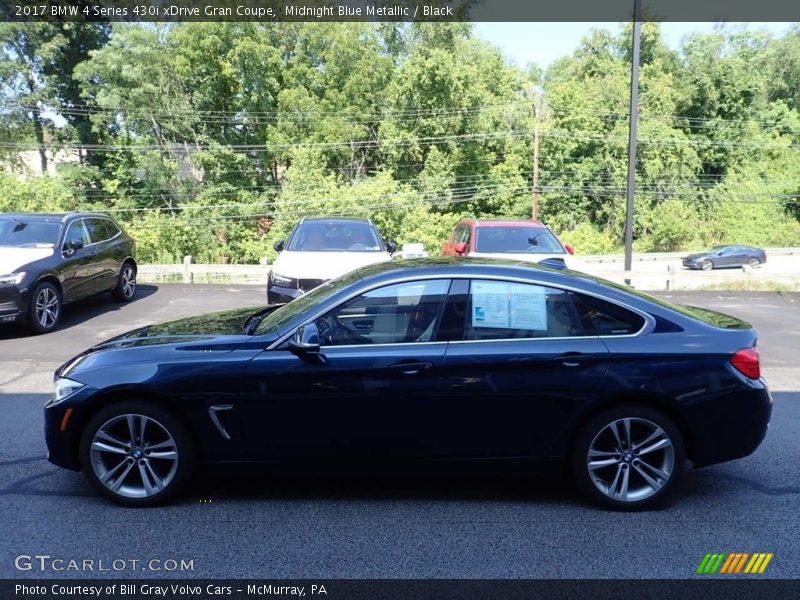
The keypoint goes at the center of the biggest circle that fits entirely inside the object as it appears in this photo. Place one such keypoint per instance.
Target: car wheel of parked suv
(125, 289)
(44, 311)
(628, 458)
(136, 453)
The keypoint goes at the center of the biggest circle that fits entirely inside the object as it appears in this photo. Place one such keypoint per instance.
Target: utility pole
(634, 117)
(535, 210)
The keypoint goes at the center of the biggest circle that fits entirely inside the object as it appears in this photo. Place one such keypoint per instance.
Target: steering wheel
(327, 330)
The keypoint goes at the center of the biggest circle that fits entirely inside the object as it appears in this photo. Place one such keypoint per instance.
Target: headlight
(64, 388)
(280, 279)
(12, 278)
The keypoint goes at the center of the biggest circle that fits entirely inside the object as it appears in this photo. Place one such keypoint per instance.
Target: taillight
(746, 362)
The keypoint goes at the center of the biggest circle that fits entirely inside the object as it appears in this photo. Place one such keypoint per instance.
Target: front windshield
(334, 236)
(277, 321)
(28, 234)
(517, 240)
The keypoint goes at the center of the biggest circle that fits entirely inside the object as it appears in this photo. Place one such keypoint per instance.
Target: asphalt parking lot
(376, 525)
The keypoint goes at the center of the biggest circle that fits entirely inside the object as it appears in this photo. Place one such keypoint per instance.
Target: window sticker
(528, 307)
(490, 304)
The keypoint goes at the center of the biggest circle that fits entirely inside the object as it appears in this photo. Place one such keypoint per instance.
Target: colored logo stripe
(734, 562)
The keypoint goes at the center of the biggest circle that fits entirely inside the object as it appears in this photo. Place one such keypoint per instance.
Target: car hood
(12, 258)
(210, 325)
(695, 256)
(570, 261)
(324, 265)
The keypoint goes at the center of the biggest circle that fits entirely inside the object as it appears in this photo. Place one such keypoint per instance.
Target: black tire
(161, 425)
(753, 262)
(625, 466)
(44, 295)
(706, 265)
(125, 290)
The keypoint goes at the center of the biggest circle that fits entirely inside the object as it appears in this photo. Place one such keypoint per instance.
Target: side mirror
(74, 245)
(305, 343)
(391, 247)
(460, 248)
(278, 246)
(569, 248)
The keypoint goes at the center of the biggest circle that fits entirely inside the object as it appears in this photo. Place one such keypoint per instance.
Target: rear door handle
(575, 359)
(410, 368)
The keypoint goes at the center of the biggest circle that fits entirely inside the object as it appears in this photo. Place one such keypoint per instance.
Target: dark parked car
(428, 359)
(726, 256)
(48, 260)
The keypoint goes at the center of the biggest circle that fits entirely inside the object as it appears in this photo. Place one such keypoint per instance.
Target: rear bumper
(731, 426)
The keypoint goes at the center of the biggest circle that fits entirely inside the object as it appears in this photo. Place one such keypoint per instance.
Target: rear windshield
(28, 234)
(334, 237)
(517, 240)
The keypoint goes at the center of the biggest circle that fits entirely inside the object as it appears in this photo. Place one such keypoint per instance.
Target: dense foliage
(213, 139)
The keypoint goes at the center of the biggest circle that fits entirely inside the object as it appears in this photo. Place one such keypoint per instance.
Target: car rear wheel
(44, 311)
(753, 262)
(136, 454)
(125, 289)
(706, 265)
(628, 458)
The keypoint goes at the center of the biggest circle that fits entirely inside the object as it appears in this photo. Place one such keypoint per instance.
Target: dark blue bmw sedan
(432, 359)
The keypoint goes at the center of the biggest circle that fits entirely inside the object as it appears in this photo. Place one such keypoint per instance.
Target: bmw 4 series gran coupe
(432, 359)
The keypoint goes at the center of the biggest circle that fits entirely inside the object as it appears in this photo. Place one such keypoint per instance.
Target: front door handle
(410, 368)
(575, 359)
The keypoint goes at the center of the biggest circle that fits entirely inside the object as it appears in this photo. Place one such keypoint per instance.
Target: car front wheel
(628, 458)
(706, 265)
(44, 311)
(136, 454)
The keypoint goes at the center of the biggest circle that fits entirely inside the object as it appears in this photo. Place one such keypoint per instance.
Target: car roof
(506, 223)
(56, 216)
(336, 220)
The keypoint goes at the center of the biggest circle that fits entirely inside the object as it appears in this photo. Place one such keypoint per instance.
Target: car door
(378, 367)
(106, 262)
(77, 266)
(519, 363)
(727, 257)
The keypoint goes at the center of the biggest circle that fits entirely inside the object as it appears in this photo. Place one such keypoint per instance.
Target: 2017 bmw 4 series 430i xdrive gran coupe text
(431, 359)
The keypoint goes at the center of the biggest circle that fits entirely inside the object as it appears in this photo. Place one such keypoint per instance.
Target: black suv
(48, 260)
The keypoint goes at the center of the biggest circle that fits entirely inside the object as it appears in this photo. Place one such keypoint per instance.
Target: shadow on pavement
(79, 312)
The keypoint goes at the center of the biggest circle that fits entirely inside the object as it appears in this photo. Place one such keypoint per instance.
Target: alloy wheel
(134, 456)
(128, 281)
(631, 459)
(47, 307)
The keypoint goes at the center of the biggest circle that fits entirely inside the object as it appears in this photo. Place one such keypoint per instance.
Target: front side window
(334, 237)
(517, 240)
(77, 231)
(396, 314)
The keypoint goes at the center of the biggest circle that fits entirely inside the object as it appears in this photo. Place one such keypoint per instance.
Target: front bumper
(739, 422)
(281, 294)
(62, 444)
(13, 302)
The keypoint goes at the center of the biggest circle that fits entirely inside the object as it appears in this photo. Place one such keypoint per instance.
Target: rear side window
(495, 310)
(507, 310)
(599, 317)
(101, 230)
